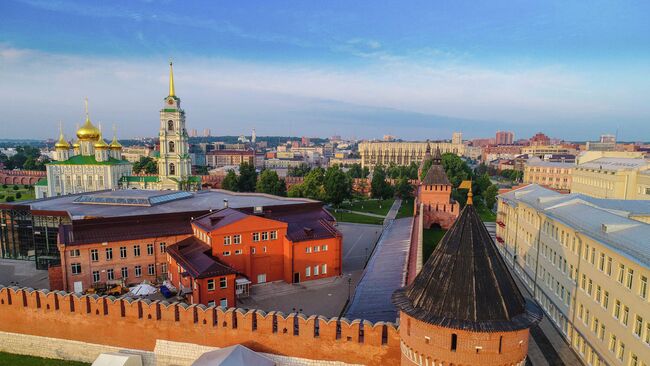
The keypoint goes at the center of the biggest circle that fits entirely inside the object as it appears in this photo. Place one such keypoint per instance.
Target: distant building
(539, 139)
(491, 153)
(504, 138)
(540, 150)
(606, 143)
(553, 175)
(611, 139)
(304, 141)
(219, 158)
(483, 142)
(402, 153)
(135, 153)
(587, 261)
(457, 138)
(253, 136)
(389, 138)
(194, 133)
(206, 132)
(612, 177)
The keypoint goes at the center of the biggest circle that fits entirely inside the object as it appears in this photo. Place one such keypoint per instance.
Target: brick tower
(434, 193)
(464, 307)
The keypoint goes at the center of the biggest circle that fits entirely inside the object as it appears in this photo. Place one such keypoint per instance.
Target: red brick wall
(137, 325)
(514, 345)
(55, 276)
(88, 266)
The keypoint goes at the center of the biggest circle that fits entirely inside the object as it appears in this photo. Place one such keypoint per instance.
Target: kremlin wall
(138, 325)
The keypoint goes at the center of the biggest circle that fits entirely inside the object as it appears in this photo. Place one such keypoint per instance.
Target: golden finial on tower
(62, 143)
(171, 79)
(115, 144)
(467, 184)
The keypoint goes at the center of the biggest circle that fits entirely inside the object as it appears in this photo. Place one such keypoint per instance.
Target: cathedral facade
(92, 164)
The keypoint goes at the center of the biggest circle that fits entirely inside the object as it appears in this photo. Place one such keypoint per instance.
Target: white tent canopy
(118, 359)
(236, 355)
(142, 289)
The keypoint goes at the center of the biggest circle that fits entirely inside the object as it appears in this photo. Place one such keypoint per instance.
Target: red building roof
(194, 256)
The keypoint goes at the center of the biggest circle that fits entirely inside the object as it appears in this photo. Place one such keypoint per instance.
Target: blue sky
(415, 69)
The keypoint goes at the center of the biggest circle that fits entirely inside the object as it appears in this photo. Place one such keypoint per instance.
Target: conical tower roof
(465, 284)
(436, 174)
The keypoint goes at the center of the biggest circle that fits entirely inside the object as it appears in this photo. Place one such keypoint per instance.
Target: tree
(145, 165)
(18, 195)
(312, 186)
(403, 188)
(491, 196)
(295, 191)
(247, 178)
(299, 171)
(337, 185)
(230, 182)
(9, 199)
(201, 170)
(270, 183)
(379, 188)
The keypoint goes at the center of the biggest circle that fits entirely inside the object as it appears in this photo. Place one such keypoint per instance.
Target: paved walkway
(394, 209)
(22, 273)
(385, 273)
(363, 213)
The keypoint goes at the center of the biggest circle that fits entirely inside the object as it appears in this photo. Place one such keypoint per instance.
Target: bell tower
(174, 164)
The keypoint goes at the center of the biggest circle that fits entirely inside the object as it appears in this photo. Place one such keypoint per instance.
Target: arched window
(172, 169)
(171, 146)
(170, 125)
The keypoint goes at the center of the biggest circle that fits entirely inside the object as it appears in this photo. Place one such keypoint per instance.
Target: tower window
(172, 169)
(454, 342)
(171, 146)
(170, 125)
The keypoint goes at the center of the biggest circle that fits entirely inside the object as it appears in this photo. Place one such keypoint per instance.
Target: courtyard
(327, 296)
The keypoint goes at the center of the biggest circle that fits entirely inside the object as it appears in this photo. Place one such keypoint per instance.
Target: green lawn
(20, 360)
(430, 239)
(356, 218)
(26, 193)
(487, 215)
(378, 207)
(406, 209)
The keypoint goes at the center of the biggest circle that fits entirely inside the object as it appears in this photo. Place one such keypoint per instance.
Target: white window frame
(210, 284)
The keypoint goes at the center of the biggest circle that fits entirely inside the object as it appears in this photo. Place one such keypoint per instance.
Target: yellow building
(541, 150)
(610, 177)
(554, 175)
(587, 262)
(402, 153)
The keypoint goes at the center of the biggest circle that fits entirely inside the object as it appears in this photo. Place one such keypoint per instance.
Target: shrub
(4, 186)
(18, 195)
(16, 187)
(9, 199)
(2, 196)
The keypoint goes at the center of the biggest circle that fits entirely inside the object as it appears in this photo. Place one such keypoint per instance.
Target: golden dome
(100, 144)
(88, 132)
(76, 145)
(115, 145)
(62, 143)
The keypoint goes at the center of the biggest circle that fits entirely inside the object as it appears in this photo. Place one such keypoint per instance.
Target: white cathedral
(91, 164)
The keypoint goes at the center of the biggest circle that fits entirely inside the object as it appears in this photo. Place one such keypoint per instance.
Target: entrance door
(78, 287)
(261, 278)
(296, 277)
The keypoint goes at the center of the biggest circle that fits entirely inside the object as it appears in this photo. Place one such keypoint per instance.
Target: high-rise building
(457, 138)
(194, 133)
(253, 136)
(206, 132)
(609, 139)
(504, 138)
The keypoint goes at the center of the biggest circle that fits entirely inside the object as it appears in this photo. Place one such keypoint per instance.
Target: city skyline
(333, 69)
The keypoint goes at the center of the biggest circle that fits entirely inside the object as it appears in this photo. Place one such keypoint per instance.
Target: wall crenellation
(137, 324)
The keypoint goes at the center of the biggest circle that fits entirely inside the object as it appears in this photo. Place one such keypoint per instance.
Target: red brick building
(434, 194)
(259, 244)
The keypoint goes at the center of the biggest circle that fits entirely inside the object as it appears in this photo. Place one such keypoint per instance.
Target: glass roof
(129, 200)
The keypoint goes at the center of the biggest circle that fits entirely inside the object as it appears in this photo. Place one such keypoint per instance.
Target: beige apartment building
(586, 260)
(402, 153)
(554, 175)
(541, 150)
(613, 177)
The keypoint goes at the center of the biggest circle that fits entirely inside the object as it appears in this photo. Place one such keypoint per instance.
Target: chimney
(225, 203)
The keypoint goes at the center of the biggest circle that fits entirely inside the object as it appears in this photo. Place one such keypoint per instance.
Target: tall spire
(62, 143)
(171, 79)
(86, 108)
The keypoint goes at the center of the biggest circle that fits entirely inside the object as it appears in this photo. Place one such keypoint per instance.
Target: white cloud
(231, 96)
